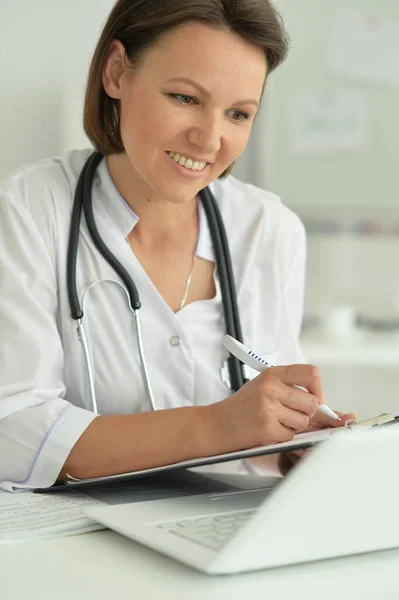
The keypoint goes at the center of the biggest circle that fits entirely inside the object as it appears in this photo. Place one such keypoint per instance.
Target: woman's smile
(189, 163)
(186, 169)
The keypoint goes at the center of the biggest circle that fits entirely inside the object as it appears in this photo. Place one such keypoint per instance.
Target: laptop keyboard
(211, 532)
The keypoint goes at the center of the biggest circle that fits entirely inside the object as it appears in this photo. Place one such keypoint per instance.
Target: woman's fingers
(298, 400)
(307, 376)
(293, 419)
(345, 417)
(268, 408)
(321, 421)
(283, 433)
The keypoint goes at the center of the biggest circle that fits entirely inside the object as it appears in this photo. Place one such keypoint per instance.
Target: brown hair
(140, 24)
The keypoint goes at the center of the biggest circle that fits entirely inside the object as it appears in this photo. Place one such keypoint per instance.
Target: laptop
(339, 500)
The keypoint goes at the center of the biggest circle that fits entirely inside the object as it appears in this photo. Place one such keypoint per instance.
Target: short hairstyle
(140, 24)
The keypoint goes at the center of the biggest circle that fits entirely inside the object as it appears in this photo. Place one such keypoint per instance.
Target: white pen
(256, 362)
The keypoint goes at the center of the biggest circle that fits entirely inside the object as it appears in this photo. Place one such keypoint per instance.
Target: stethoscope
(83, 200)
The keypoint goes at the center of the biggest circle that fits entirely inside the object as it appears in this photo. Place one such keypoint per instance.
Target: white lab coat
(44, 397)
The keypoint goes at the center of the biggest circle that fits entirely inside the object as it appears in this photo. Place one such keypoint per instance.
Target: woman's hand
(266, 409)
(319, 421)
(322, 421)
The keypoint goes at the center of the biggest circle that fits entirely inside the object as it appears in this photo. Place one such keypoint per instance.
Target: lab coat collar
(125, 218)
(113, 204)
(204, 245)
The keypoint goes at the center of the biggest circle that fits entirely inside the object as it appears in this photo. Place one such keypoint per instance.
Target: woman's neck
(158, 218)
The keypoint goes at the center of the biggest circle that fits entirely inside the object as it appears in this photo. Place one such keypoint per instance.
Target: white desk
(106, 566)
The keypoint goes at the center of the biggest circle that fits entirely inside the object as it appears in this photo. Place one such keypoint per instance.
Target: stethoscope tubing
(226, 277)
(83, 202)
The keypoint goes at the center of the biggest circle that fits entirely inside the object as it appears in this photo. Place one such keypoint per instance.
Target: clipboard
(300, 441)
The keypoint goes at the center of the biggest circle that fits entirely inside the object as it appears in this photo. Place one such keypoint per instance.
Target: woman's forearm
(123, 443)
(266, 409)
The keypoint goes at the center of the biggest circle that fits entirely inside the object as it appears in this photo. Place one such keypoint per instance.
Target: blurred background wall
(326, 141)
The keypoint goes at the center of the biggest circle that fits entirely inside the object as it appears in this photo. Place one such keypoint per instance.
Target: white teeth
(188, 163)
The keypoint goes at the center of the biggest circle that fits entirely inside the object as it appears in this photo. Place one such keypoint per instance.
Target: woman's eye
(238, 115)
(183, 98)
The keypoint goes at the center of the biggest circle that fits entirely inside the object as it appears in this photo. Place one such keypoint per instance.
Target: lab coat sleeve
(38, 426)
(292, 252)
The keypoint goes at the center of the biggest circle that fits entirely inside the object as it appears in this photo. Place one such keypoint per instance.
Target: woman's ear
(114, 69)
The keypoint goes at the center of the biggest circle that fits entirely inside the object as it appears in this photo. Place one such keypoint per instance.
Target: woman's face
(193, 98)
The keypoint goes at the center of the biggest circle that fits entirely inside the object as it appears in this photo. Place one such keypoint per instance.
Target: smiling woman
(142, 25)
(172, 95)
(200, 117)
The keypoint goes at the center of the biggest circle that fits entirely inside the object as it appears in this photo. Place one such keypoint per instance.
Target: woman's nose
(207, 135)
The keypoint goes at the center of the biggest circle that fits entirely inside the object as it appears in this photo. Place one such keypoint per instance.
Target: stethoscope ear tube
(97, 239)
(72, 255)
(226, 276)
(83, 200)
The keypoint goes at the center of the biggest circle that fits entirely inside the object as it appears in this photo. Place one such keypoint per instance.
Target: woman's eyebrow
(205, 92)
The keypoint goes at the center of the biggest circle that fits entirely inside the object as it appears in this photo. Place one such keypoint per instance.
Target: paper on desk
(27, 516)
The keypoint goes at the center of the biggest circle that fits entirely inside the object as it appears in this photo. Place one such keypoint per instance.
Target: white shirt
(44, 393)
